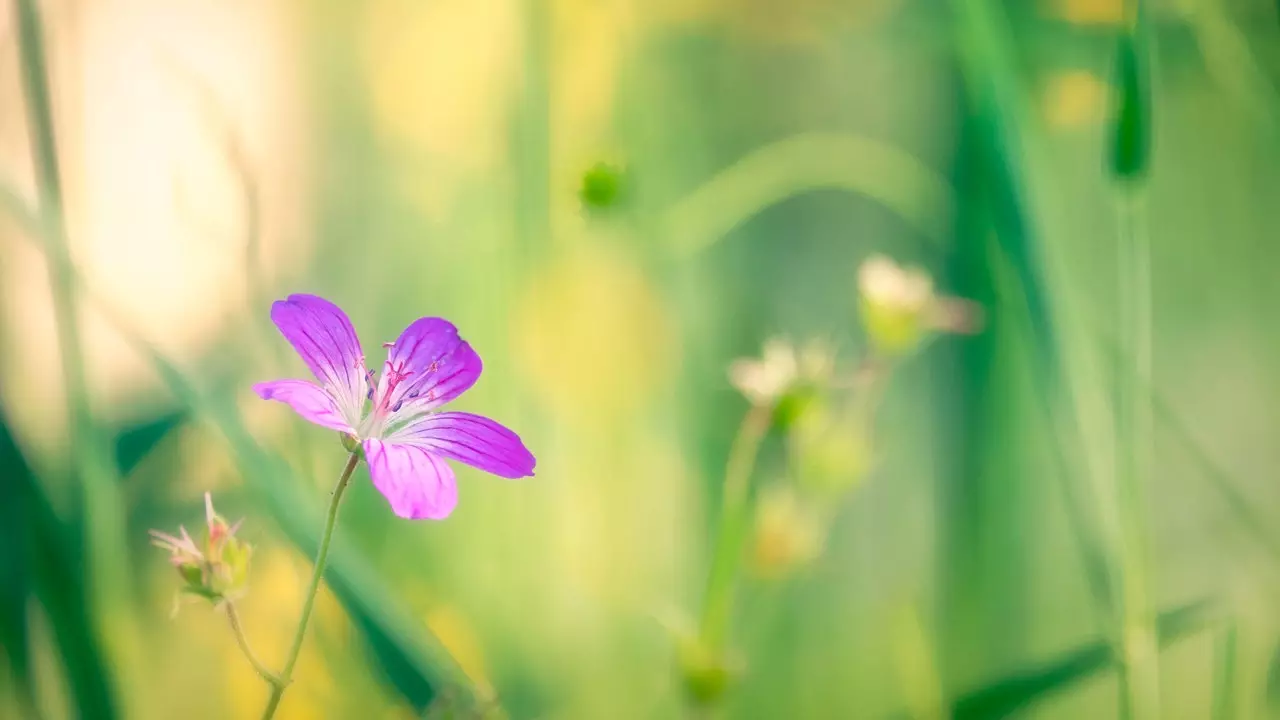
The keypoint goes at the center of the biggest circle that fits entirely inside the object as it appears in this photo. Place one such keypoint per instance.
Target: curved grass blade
(1009, 695)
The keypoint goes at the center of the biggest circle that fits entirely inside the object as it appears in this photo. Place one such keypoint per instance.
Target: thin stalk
(1140, 684)
(89, 452)
(717, 608)
(243, 641)
(1224, 679)
(322, 556)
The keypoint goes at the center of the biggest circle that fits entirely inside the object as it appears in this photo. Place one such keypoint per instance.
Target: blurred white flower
(898, 306)
(885, 283)
(781, 369)
(766, 379)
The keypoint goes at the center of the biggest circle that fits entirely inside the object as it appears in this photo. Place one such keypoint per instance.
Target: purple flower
(405, 439)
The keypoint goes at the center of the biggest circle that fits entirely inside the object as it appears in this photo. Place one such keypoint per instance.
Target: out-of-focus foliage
(457, 158)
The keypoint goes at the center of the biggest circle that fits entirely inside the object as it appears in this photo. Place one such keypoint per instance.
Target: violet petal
(325, 339)
(471, 439)
(427, 366)
(308, 400)
(418, 484)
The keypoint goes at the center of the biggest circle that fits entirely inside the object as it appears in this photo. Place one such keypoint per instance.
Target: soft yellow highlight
(1089, 12)
(1074, 99)
(594, 336)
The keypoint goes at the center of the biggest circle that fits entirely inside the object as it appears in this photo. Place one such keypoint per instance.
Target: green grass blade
(1018, 264)
(34, 539)
(1011, 694)
(15, 573)
(104, 513)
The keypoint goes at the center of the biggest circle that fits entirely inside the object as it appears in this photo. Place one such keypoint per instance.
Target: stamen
(395, 376)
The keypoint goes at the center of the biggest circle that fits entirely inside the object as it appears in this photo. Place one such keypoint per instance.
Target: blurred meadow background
(614, 201)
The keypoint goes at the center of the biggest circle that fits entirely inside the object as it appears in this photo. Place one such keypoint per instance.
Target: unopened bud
(217, 572)
(705, 673)
(602, 187)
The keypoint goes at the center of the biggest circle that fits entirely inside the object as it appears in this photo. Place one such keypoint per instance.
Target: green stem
(322, 555)
(1224, 681)
(93, 462)
(718, 601)
(1140, 685)
(243, 641)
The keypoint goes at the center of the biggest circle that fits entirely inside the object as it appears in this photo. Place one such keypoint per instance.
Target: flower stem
(243, 641)
(322, 555)
(1139, 665)
(718, 602)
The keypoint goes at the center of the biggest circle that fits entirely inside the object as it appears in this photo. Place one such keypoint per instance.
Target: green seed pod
(1131, 128)
(705, 673)
(602, 187)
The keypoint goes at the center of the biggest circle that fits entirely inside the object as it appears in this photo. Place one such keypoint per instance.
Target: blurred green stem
(243, 641)
(727, 556)
(94, 465)
(1140, 658)
(1224, 680)
(322, 555)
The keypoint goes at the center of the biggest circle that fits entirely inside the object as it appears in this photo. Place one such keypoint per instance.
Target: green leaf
(1008, 695)
(38, 557)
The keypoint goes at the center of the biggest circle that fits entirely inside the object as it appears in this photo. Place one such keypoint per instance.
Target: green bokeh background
(613, 201)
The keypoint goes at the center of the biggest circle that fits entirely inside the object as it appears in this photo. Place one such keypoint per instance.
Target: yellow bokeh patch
(1075, 99)
(594, 337)
(441, 74)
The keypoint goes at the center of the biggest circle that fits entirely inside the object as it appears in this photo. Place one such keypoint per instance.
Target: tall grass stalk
(1140, 664)
(90, 453)
(1073, 394)
(1129, 166)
